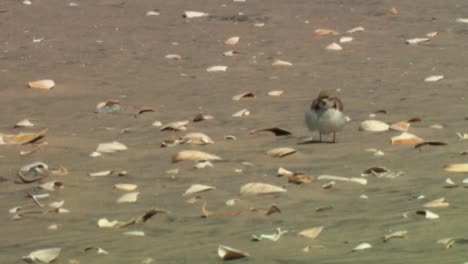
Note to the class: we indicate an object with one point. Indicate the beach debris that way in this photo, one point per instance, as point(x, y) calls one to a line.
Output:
point(397, 234)
point(128, 197)
point(193, 155)
point(109, 106)
point(325, 31)
point(194, 14)
point(135, 233)
point(324, 208)
point(328, 185)
point(284, 172)
point(362, 246)
point(42, 84)
point(110, 147)
point(59, 171)
point(334, 46)
point(281, 152)
point(98, 250)
point(381, 172)
point(24, 123)
point(243, 95)
point(254, 188)
point(22, 138)
point(278, 62)
point(338, 178)
point(101, 173)
point(144, 110)
point(356, 29)
point(230, 53)
point(427, 214)
point(197, 139)
point(273, 237)
point(126, 186)
point(415, 41)
point(105, 223)
point(414, 120)
point(275, 130)
point(345, 39)
point(217, 68)
point(406, 138)
point(201, 117)
point(34, 149)
point(300, 179)
point(152, 13)
point(197, 188)
point(175, 126)
point(463, 136)
point(229, 253)
point(206, 212)
point(373, 126)
point(402, 126)
point(241, 113)
point(203, 164)
point(432, 34)
point(50, 186)
point(393, 11)
point(430, 143)
point(311, 233)
point(273, 209)
point(171, 143)
point(275, 93)
point(449, 242)
point(462, 20)
point(437, 203)
point(173, 57)
point(449, 183)
point(232, 40)
point(230, 137)
point(43, 255)
point(376, 152)
point(433, 78)
point(149, 214)
point(33, 172)
point(456, 167)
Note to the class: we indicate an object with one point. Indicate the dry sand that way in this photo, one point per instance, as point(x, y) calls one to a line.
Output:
point(109, 49)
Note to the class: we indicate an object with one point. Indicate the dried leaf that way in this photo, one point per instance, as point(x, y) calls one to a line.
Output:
point(43, 255)
point(275, 130)
point(42, 84)
point(197, 188)
point(281, 152)
point(243, 95)
point(128, 197)
point(22, 138)
point(311, 233)
point(229, 253)
point(254, 188)
point(193, 155)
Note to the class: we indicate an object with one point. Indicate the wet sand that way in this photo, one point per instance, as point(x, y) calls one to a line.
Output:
point(108, 49)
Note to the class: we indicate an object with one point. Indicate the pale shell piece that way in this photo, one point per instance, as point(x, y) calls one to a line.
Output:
point(437, 203)
point(57, 204)
point(173, 57)
point(334, 46)
point(53, 227)
point(328, 185)
point(231, 202)
point(463, 136)
point(311, 233)
point(281, 63)
point(101, 173)
point(203, 164)
point(24, 123)
point(95, 154)
point(356, 29)
point(400, 126)
point(406, 138)
point(176, 126)
point(338, 178)
point(217, 68)
point(194, 14)
point(362, 246)
point(363, 196)
point(111, 147)
point(433, 78)
point(346, 39)
point(50, 186)
point(241, 113)
point(428, 214)
point(197, 138)
point(197, 188)
point(449, 183)
point(230, 53)
point(193, 155)
point(373, 126)
point(414, 41)
point(275, 93)
point(135, 233)
point(152, 13)
point(254, 188)
point(243, 95)
point(229, 253)
point(273, 237)
point(104, 223)
point(230, 137)
point(156, 123)
point(42, 84)
point(325, 31)
point(27, 2)
point(284, 172)
point(43, 255)
point(432, 34)
point(462, 20)
point(232, 40)
point(281, 152)
point(128, 197)
point(397, 234)
point(22, 138)
point(456, 167)
point(126, 186)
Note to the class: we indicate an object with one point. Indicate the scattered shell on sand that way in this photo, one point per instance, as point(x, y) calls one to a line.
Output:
point(356, 29)
point(338, 178)
point(152, 13)
point(311, 232)
point(432, 34)
point(437, 203)
point(193, 155)
point(197, 139)
point(415, 41)
point(406, 138)
point(111, 147)
point(217, 68)
point(126, 186)
point(243, 95)
point(362, 246)
point(175, 126)
point(456, 167)
point(232, 40)
point(449, 183)
point(281, 152)
point(402, 126)
point(207, 213)
point(42, 84)
point(230, 53)
point(373, 126)
point(275, 93)
point(197, 188)
point(108, 106)
point(43, 255)
point(325, 31)
point(433, 78)
point(241, 113)
point(105, 223)
point(281, 63)
point(128, 197)
point(134, 233)
point(173, 57)
point(254, 188)
point(24, 123)
point(397, 234)
point(346, 39)
point(229, 253)
point(334, 46)
point(194, 14)
point(427, 214)
point(462, 20)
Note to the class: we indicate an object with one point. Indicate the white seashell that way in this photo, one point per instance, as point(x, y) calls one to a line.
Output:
point(43, 255)
point(373, 126)
point(400, 126)
point(311, 233)
point(281, 152)
point(346, 39)
point(126, 186)
point(281, 63)
point(173, 57)
point(432, 34)
point(356, 29)
point(134, 233)
point(229, 253)
point(275, 93)
point(449, 183)
point(362, 246)
point(237, 97)
point(176, 126)
point(27, 2)
point(111, 147)
point(57, 204)
point(197, 188)
point(338, 178)
point(194, 14)
point(240, 113)
point(152, 13)
point(334, 46)
point(230, 53)
point(231, 202)
point(462, 20)
point(259, 24)
point(156, 124)
point(217, 68)
point(128, 197)
point(406, 138)
point(104, 223)
point(397, 234)
point(363, 196)
point(437, 203)
point(284, 172)
point(414, 41)
point(433, 78)
point(232, 40)
point(203, 164)
point(193, 155)
point(100, 173)
point(428, 214)
point(95, 154)
point(42, 84)
point(197, 138)
point(24, 123)
point(260, 188)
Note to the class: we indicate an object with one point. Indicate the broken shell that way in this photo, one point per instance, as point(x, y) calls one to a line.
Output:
point(24, 123)
point(193, 155)
point(194, 14)
point(275, 93)
point(373, 126)
point(311, 233)
point(203, 164)
point(437, 203)
point(200, 117)
point(243, 112)
point(328, 185)
point(175, 126)
point(42, 84)
point(260, 188)
point(346, 39)
point(433, 78)
point(462, 20)
point(414, 41)
point(338, 178)
point(232, 40)
point(356, 29)
point(397, 234)
point(243, 95)
point(449, 183)
point(273, 209)
point(43, 255)
point(101, 173)
point(197, 188)
point(229, 253)
point(300, 179)
point(173, 57)
point(362, 246)
point(334, 46)
point(197, 138)
point(108, 106)
point(284, 172)
point(456, 167)
point(393, 11)
point(50, 186)
point(230, 137)
point(22, 138)
point(400, 126)
point(104, 223)
point(406, 138)
point(281, 63)
point(432, 34)
point(230, 53)
point(206, 212)
point(111, 147)
point(128, 197)
point(325, 31)
point(217, 68)
point(135, 233)
point(428, 214)
point(152, 13)
point(281, 152)
point(126, 186)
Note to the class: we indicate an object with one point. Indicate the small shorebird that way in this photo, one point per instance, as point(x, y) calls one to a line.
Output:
point(325, 115)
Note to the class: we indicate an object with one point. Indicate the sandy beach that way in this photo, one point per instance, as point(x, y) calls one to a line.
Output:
point(103, 50)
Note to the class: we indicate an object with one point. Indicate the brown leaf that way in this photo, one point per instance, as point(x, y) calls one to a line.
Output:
point(414, 120)
point(150, 213)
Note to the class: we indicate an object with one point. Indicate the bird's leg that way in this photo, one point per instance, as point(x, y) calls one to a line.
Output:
point(334, 136)
point(320, 137)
